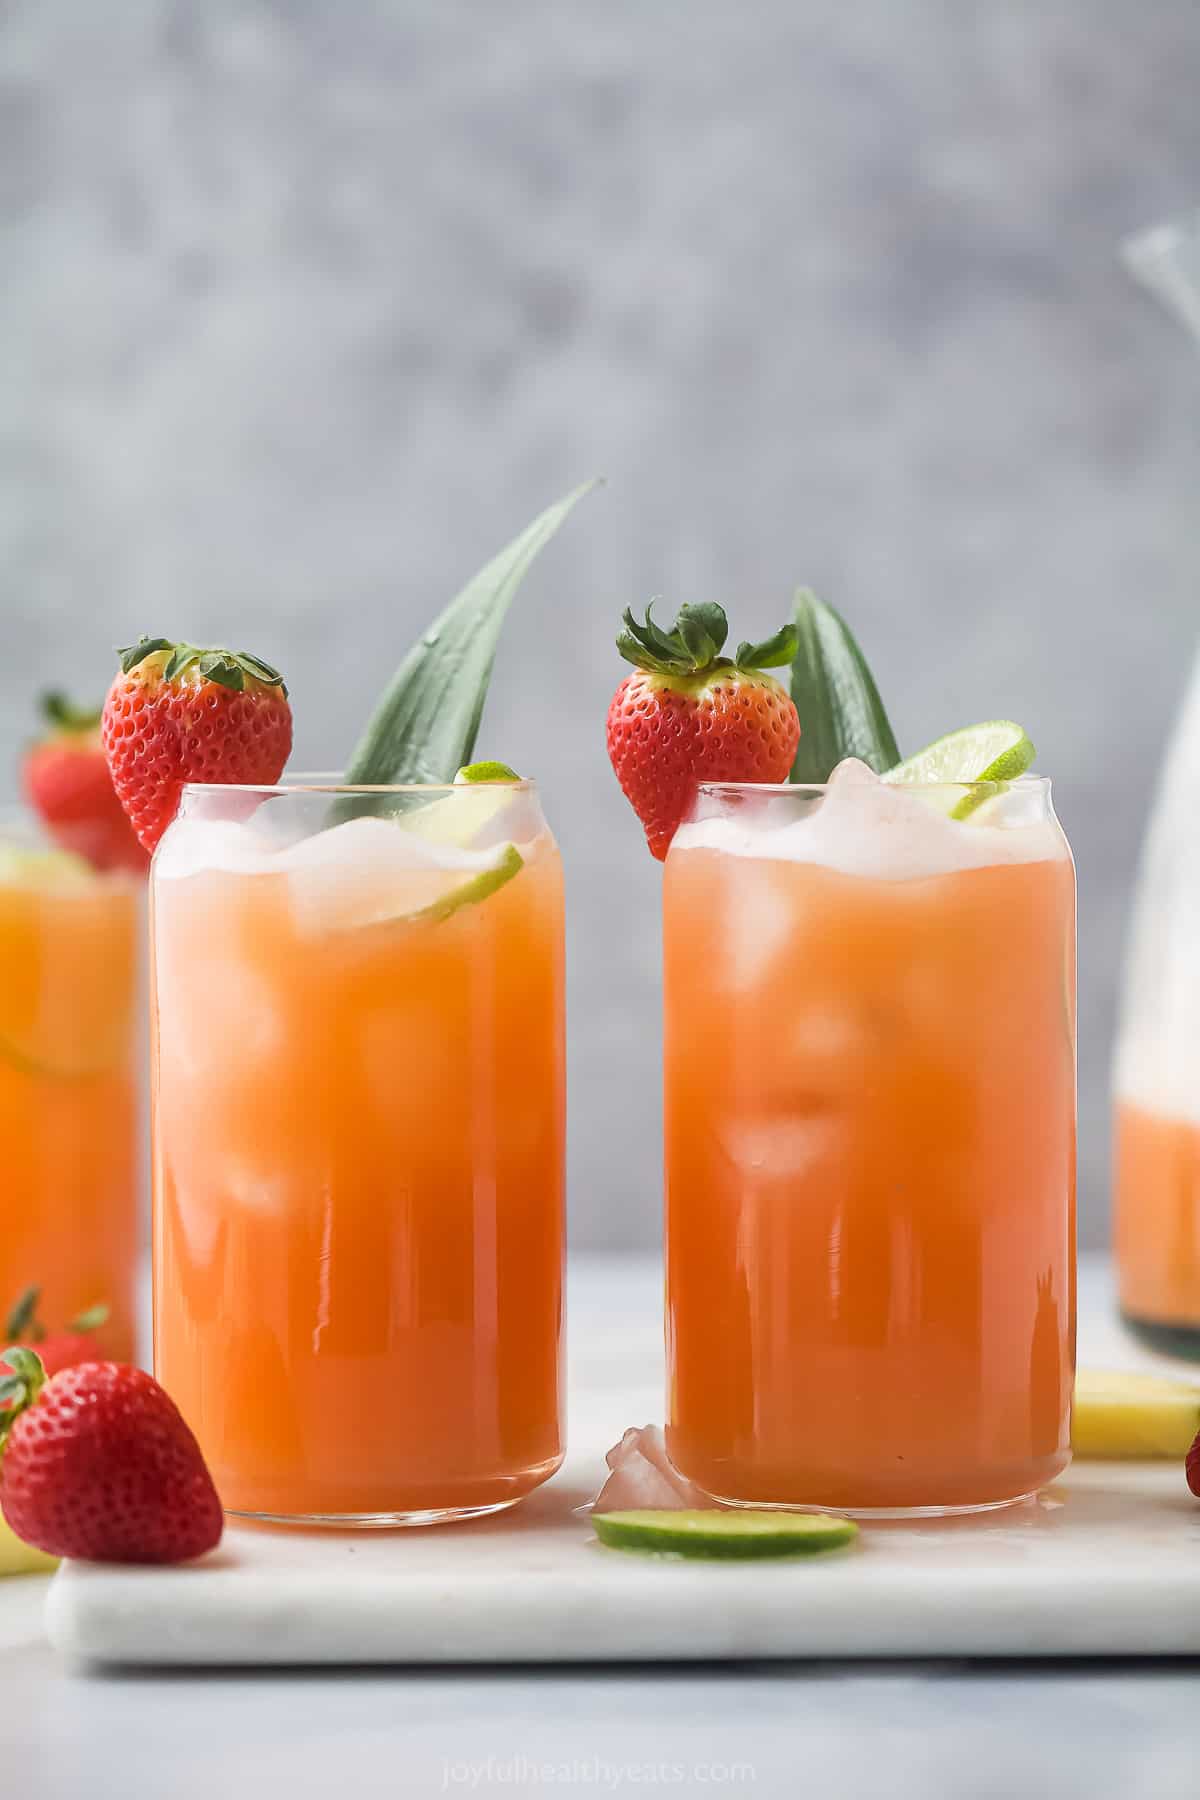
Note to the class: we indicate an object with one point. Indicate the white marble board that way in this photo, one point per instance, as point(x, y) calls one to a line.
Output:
point(1108, 1563)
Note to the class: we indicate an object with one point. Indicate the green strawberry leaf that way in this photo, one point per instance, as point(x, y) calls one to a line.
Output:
point(226, 671)
point(21, 1324)
point(702, 629)
point(773, 653)
point(132, 654)
point(59, 709)
point(91, 1319)
point(841, 713)
point(424, 727)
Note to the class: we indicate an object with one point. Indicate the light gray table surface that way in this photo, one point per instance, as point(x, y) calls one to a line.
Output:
point(823, 1729)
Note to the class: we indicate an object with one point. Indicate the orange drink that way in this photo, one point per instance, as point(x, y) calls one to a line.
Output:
point(69, 952)
point(870, 1145)
point(357, 1053)
point(1157, 1177)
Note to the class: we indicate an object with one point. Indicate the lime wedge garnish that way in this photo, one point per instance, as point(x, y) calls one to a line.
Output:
point(470, 892)
point(460, 818)
point(994, 752)
point(724, 1534)
point(484, 771)
point(474, 887)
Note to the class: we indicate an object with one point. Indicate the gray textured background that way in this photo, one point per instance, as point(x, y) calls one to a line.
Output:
point(305, 307)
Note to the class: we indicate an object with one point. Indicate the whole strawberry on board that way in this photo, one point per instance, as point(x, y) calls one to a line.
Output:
point(176, 713)
point(96, 1462)
point(1193, 1467)
point(66, 781)
point(689, 714)
point(56, 1349)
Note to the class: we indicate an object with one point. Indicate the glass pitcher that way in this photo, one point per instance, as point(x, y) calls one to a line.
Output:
point(1156, 1149)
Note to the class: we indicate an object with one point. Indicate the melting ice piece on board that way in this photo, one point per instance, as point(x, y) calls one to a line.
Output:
point(643, 1475)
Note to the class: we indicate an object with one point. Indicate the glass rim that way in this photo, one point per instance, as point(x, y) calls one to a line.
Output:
point(331, 782)
point(1026, 783)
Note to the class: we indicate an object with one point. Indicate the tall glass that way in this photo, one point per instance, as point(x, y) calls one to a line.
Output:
point(358, 1124)
point(870, 1146)
point(69, 1089)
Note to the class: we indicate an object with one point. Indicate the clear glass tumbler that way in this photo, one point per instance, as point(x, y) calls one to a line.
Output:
point(70, 954)
point(870, 1145)
point(358, 1124)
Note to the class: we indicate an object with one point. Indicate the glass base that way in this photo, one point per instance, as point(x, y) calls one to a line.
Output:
point(877, 1514)
point(1167, 1338)
point(383, 1521)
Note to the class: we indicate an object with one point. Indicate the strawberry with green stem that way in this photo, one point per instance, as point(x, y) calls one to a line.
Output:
point(66, 781)
point(176, 713)
point(97, 1462)
point(689, 714)
point(56, 1349)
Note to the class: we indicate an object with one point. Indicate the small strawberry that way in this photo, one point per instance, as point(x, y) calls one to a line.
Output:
point(176, 714)
point(97, 1463)
point(1193, 1467)
point(689, 714)
point(56, 1349)
point(66, 781)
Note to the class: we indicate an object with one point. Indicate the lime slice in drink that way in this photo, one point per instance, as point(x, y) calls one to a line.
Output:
point(724, 1534)
point(992, 753)
point(461, 818)
point(509, 862)
point(60, 871)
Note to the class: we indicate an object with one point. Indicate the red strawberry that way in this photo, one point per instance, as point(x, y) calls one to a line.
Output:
point(1193, 1467)
point(177, 714)
point(56, 1349)
point(689, 714)
point(67, 782)
point(98, 1463)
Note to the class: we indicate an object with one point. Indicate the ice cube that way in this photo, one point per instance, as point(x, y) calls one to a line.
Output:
point(206, 846)
point(868, 827)
point(369, 869)
point(778, 1146)
point(642, 1474)
point(762, 916)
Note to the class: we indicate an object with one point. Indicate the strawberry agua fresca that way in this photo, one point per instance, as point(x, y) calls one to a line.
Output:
point(357, 1090)
point(869, 1101)
point(358, 1146)
point(870, 1145)
point(70, 980)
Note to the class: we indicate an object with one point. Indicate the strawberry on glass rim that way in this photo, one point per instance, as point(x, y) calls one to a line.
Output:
point(66, 781)
point(688, 714)
point(177, 713)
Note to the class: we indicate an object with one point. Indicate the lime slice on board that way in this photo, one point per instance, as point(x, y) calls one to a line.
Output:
point(718, 1533)
point(995, 752)
point(1133, 1416)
